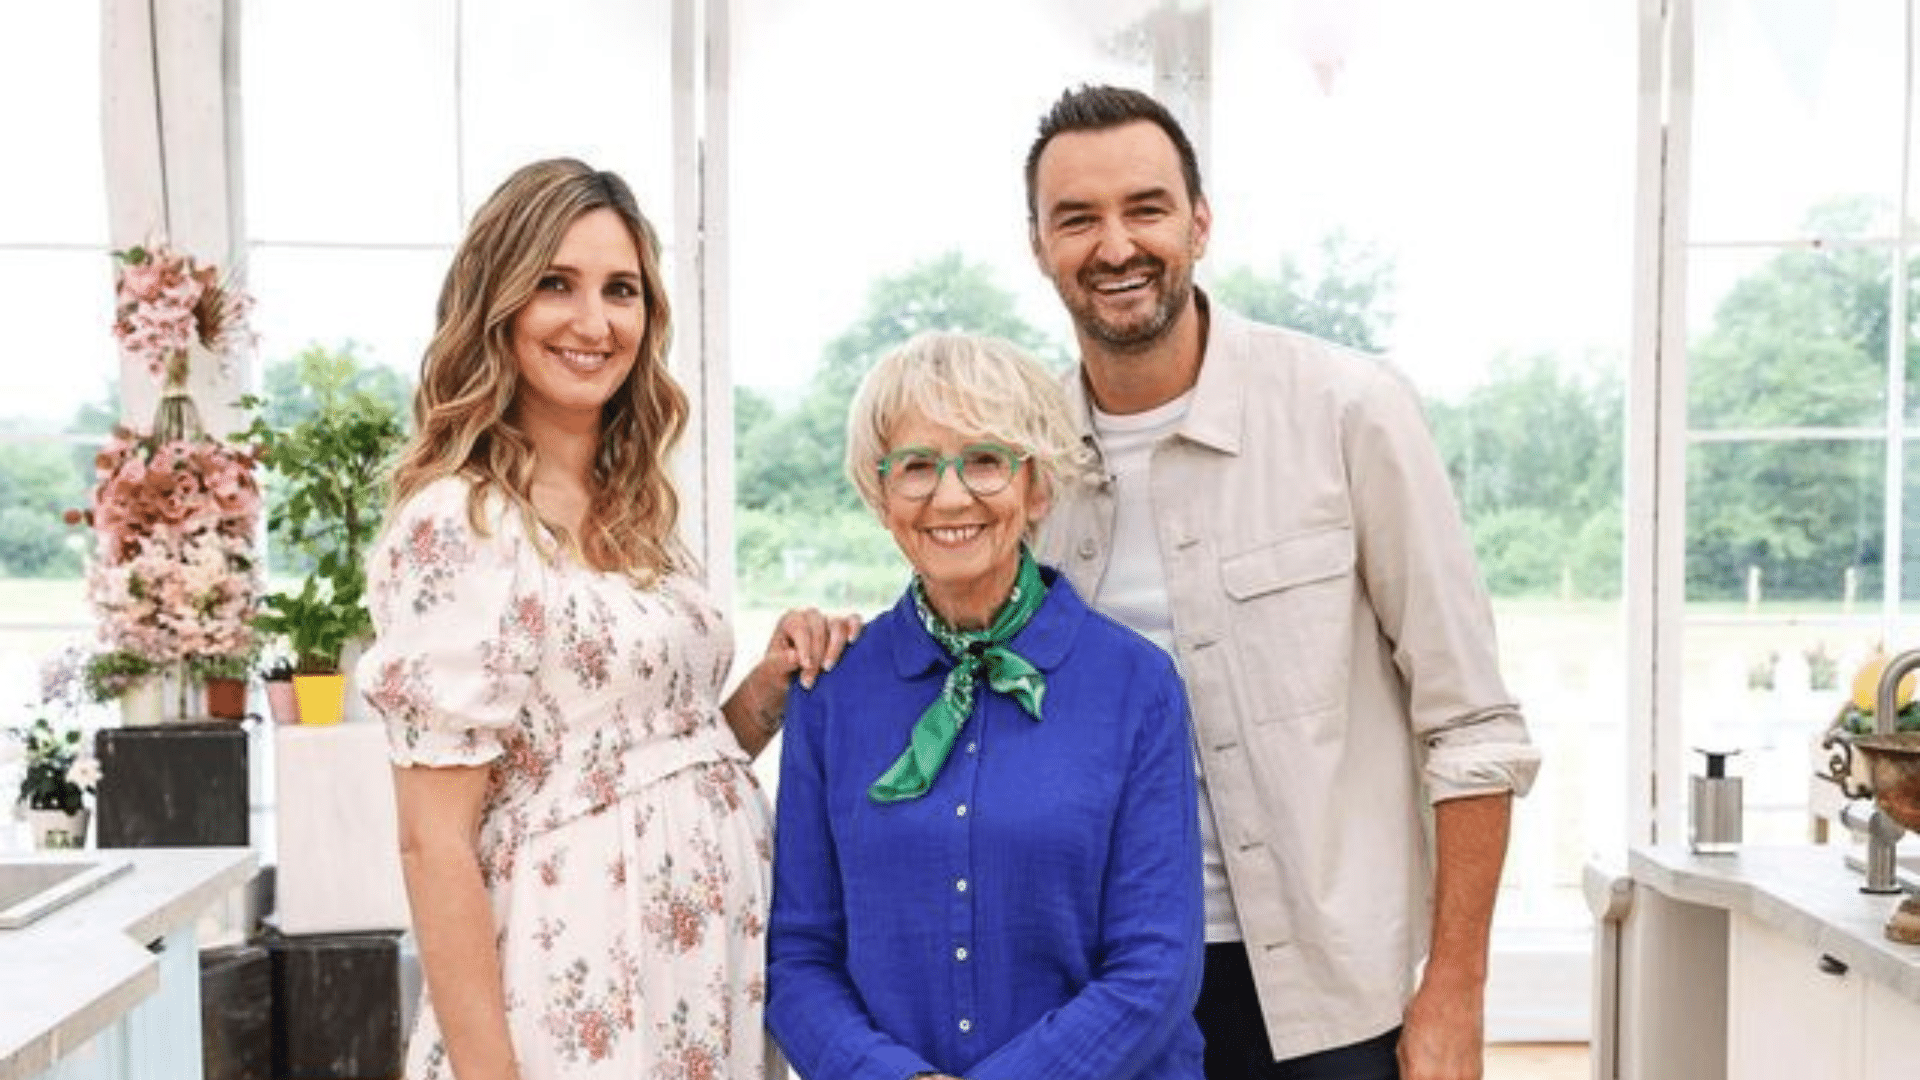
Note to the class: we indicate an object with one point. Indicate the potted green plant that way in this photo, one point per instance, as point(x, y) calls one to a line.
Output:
point(225, 681)
point(327, 449)
point(317, 622)
point(59, 777)
point(128, 678)
point(60, 773)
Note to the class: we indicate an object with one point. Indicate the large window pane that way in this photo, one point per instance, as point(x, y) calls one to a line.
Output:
point(590, 79)
point(1797, 132)
point(868, 201)
point(1795, 104)
point(59, 305)
point(1413, 161)
point(380, 302)
point(54, 187)
point(1784, 560)
point(56, 300)
point(1788, 337)
point(356, 196)
point(1910, 527)
point(350, 120)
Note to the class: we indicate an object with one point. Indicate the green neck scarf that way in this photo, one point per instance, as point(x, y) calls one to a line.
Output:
point(975, 652)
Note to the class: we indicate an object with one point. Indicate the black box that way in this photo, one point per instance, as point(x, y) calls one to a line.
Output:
point(236, 1013)
point(336, 1005)
point(174, 785)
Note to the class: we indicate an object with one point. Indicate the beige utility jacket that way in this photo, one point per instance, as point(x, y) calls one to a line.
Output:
point(1338, 648)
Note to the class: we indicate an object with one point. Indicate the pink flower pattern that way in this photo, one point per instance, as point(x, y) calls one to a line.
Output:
point(624, 842)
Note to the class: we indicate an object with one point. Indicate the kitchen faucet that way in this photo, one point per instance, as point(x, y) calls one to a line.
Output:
point(1882, 831)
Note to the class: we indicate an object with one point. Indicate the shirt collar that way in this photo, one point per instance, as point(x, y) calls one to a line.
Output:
point(1217, 416)
point(1044, 642)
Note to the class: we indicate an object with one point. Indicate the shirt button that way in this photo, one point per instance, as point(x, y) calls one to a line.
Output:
point(960, 811)
point(972, 746)
point(1088, 548)
point(960, 954)
point(965, 1025)
point(960, 885)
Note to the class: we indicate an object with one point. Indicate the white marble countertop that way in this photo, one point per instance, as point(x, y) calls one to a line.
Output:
point(74, 971)
point(1805, 892)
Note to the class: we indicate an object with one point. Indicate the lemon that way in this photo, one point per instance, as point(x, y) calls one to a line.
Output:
point(1866, 685)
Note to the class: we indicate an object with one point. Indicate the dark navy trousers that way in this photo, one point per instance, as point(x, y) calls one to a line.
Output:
point(1237, 1047)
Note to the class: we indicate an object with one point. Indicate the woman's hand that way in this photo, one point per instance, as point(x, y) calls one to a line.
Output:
point(806, 642)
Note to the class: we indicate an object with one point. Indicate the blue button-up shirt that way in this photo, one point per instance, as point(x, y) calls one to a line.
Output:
point(1037, 913)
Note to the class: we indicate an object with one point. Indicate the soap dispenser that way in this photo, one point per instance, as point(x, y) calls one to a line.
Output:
point(1714, 812)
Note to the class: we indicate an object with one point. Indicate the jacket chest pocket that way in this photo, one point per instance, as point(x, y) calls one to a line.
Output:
point(1292, 614)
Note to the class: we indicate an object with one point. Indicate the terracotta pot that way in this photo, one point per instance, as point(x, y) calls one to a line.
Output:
point(227, 699)
point(56, 829)
point(281, 701)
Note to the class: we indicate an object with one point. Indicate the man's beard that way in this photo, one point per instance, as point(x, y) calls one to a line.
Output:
point(1175, 290)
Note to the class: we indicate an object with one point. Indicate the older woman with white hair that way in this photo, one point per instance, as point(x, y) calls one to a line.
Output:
point(988, 857)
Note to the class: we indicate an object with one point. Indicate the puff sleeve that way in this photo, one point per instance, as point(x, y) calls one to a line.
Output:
point(458, 622)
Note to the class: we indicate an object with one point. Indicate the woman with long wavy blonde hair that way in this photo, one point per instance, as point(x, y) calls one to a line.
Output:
point(585, 847)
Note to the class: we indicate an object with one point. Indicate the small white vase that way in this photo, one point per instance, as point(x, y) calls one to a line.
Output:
point(183, 699)
point(144, 703)
point(56, 829)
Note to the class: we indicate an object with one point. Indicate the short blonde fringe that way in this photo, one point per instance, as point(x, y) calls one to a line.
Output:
point(973, 383)
point(462, 408)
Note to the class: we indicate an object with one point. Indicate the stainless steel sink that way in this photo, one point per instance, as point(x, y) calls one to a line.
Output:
point(32, 885)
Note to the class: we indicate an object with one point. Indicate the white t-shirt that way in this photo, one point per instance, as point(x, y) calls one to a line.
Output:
point(1134, 591)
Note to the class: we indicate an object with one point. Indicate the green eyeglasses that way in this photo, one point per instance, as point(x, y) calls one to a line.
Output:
point(913, 472)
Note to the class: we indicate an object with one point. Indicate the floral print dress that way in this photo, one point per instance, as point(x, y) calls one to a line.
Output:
point(624, 842)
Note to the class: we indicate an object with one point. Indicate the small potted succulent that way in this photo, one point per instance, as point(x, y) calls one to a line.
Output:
point(276, 672)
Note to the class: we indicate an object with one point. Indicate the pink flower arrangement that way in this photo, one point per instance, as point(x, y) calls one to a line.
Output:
point(173, 576)
point(166, 301)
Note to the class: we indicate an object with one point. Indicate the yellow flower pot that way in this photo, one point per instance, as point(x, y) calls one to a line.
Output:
point(322, 698)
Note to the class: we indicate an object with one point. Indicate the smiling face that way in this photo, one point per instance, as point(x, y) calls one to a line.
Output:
point(1117, 233)
point(965, 547)
point(577, 339)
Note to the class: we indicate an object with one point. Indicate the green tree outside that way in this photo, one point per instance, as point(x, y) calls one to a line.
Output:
point(360, 397)
point(43, 476)
point(1801, 342)
point(1344, 293)
point(1535, 457)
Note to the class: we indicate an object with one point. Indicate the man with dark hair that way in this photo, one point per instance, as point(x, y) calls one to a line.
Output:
point(1275, 515)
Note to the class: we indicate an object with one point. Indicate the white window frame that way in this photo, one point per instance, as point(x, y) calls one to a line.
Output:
point(1657, 426)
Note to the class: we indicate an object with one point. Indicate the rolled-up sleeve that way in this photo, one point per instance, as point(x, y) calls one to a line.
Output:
point(1426, 591)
